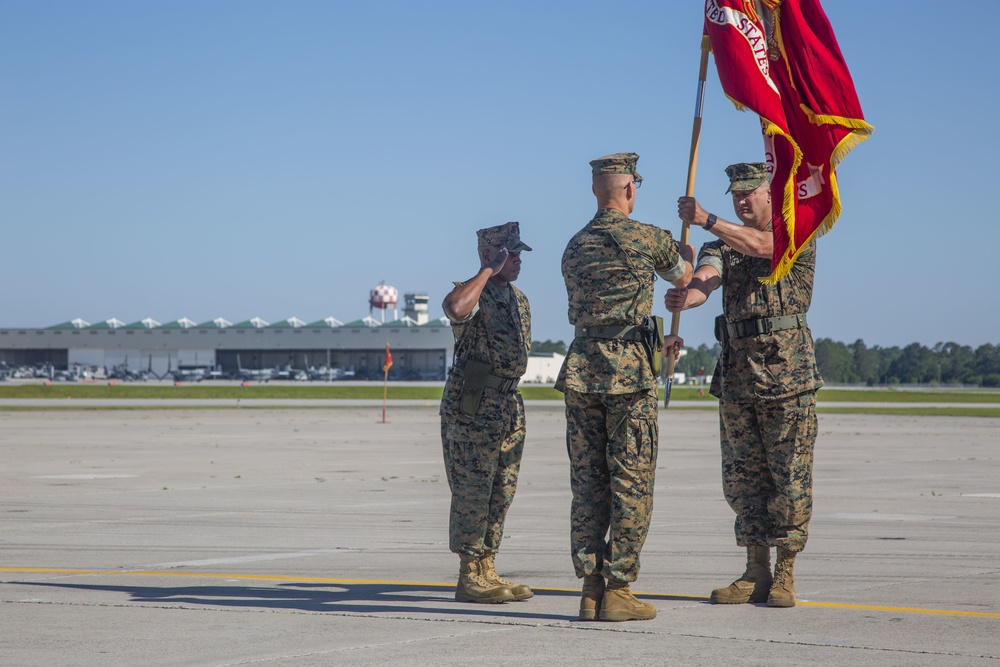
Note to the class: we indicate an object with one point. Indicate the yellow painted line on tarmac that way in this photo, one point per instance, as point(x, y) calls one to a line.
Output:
point(840, 605)
point(905, 610)
point(386, 582)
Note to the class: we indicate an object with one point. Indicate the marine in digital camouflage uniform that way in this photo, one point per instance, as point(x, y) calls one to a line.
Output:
point(766, 381)
point(609, 268)
point(482, 414)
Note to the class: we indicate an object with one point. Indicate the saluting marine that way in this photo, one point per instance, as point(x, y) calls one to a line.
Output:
point(482, 414)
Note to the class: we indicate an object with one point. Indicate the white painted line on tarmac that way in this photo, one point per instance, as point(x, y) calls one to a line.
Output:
point(879, 516)
point(83, 476)
point(256, 558)
point(981, 495)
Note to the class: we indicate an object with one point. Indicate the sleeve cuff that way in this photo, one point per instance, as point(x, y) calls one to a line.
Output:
point(674, 273)
point(714, 262)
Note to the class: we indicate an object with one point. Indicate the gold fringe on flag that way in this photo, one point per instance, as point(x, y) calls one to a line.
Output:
point(860, 130)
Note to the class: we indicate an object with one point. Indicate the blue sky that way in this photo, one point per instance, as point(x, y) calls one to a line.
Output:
point(277, 159)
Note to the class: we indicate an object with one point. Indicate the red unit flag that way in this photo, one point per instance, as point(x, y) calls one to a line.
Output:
point(388, 359)
point(780, 59)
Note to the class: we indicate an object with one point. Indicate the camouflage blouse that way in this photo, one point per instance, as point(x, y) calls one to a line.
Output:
point(769, 366)
point(609, 268)
point(498, 332)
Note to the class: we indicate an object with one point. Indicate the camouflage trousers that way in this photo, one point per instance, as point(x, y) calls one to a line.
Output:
point(482, 459)
point(611, 440)
point(767, 462)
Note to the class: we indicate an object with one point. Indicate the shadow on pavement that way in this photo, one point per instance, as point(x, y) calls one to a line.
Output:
point(334, 597)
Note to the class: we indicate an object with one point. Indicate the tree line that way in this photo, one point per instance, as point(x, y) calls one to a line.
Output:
point(856, 363)
point(944, 363)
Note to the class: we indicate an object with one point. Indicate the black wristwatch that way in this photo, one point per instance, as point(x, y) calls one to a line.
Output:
point(711, 221)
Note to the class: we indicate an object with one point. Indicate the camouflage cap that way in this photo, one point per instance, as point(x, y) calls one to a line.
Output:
point(619, 163)
point(746, 176)
point(503, 236)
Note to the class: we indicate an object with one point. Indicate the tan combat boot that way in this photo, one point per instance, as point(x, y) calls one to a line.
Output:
point(593, 593)
point(619, 604)
point(783, 589)
point(473, 587)
point(519, 591)
point(755, 583)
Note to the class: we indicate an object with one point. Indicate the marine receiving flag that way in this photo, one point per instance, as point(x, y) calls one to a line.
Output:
point(388, 358)
point(780, 59)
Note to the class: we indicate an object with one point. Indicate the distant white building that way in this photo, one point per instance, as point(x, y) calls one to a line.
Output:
point(543, 368)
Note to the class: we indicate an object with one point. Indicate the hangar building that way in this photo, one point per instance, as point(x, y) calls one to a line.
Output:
point(421, 348)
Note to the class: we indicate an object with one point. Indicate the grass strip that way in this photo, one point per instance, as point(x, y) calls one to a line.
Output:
point(914, 411)
point(909, 396)
point(432, 393)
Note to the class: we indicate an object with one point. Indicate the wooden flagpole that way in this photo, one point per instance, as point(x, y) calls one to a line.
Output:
point(675, 321)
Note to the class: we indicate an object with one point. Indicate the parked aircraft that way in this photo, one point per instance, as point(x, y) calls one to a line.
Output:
point(254, 375)
point(189, 374)
point(289, 373)
point(324, 374)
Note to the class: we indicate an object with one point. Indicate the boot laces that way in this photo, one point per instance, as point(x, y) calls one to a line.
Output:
point(490, 574)
point(480, 579)
point(500, 580)
point(781, 573)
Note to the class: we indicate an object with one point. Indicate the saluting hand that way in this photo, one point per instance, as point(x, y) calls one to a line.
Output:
point(496, 264)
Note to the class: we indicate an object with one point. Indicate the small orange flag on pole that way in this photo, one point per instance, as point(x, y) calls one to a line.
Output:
point(385, 384)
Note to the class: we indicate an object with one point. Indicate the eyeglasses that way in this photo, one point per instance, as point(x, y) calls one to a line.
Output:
point(637, 182)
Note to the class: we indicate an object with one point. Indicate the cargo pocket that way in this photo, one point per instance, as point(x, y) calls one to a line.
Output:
point(640, 446)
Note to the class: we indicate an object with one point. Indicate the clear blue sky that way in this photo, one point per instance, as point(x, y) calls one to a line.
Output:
point(276, 159)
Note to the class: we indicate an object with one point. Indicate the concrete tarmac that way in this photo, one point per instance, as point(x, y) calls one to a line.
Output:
point(319, 537)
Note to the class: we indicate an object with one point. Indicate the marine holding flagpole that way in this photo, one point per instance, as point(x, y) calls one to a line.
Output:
point(780, 59)
point(765, 379)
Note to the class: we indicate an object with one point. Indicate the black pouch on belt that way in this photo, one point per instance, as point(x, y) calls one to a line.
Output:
point(474, 376)
point(721, 334)
point(653, 341)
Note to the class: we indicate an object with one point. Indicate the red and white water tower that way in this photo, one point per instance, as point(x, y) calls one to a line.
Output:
point(382, 297)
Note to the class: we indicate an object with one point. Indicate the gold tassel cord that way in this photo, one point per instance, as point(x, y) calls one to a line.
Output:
point(788, 190)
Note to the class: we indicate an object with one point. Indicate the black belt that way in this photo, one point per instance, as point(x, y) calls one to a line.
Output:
point(501, 384)
point(621, 331)
point(763, 325)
